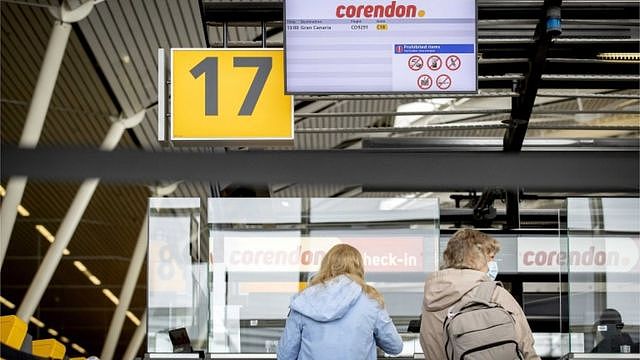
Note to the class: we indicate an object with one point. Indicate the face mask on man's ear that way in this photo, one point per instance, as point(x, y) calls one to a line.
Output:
point(493, 269)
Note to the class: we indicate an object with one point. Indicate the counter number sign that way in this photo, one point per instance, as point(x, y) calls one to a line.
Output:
point(229, 95)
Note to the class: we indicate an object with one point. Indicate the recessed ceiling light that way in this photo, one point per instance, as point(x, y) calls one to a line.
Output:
point(134, 319)
point(95, 280)
point(80, 266)
point(109, 294)
point(78, 348)
point(7, 303)
point(37, 322)
point(47, 235)
point(22, 211)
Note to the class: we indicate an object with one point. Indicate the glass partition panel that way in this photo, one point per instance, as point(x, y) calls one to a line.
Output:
point(178, 296)
point(603, 259)
point(261, 257)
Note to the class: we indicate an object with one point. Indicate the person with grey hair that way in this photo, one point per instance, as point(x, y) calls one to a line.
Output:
point(468, 263)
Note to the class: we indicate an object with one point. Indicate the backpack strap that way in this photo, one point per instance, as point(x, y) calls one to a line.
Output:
point(481, 292)
point(484, 291)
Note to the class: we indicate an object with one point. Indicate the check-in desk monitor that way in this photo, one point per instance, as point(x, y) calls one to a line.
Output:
point(603, 265)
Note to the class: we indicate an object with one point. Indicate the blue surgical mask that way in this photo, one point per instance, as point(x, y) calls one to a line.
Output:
point(493, 269)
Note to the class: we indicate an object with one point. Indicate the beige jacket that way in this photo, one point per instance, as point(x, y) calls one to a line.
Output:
point(443, 289)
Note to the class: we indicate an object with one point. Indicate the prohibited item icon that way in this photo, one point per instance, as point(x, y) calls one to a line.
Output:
point(443, 81)
point(434, 62)
point(415, 63)
point(424, 81)
point(453, 62)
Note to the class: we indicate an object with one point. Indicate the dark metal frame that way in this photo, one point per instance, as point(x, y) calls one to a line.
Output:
point(522, 106)
point(533, 171)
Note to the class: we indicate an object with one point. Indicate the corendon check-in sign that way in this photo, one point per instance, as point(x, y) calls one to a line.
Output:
point(583, 254)
point(304, 254)
point(380, 46)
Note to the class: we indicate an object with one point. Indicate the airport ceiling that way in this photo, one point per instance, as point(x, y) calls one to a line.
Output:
point(110, 70)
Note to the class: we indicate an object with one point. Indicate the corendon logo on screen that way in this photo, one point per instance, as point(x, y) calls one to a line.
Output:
point(391, 10)
point(295, 254)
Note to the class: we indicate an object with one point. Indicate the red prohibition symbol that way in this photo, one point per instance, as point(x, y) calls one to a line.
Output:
point(434, 62)
point(443, 81)
point(415, 63)
point(424, 81)
point(453, 62)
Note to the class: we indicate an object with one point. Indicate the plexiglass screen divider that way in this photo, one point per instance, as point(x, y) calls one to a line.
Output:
point(603, 260)
point(264, 250)
point(178, 295)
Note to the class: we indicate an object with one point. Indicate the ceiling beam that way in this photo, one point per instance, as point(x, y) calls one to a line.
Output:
point(541, 171)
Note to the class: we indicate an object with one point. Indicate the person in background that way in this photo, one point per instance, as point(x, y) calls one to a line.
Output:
point(468, 261)
point(339, 316)
point(614, 340)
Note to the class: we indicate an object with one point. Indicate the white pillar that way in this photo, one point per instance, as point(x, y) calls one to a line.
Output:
point(130, 281)
point(69, 224)
point(137, 260)
point(8, 212)
point(38, 110)
point(136, 340)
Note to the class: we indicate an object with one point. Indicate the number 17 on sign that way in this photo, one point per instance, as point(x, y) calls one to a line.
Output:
point(231, 95)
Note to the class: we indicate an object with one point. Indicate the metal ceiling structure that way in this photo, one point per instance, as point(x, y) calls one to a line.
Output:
point(532, 86)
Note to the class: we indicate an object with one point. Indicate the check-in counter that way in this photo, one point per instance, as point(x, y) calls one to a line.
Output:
point(225, 269)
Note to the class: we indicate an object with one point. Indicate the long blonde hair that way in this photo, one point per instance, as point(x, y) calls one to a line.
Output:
point(343, 259)
point(469, 249)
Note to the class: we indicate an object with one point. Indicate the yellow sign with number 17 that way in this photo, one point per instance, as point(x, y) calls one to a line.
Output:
point(230, 95)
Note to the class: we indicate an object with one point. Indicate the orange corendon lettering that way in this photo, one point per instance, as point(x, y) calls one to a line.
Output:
point(390, 9)
point(352, 11)
point(368, 10)
point(378, 11)
point(411, 11)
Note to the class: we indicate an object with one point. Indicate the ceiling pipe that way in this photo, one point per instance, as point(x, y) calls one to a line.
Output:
point(70, 223)
point(38, 109)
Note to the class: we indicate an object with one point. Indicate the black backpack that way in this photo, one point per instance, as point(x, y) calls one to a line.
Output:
point(476, 328)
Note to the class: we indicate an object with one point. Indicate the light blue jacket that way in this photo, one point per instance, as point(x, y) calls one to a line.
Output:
point(337, 320)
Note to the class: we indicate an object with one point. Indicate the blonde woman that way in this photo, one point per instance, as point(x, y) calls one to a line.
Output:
point(467, 262)
point(338, 316)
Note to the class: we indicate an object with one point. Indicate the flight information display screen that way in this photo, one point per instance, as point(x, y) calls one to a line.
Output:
point(380, 46)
